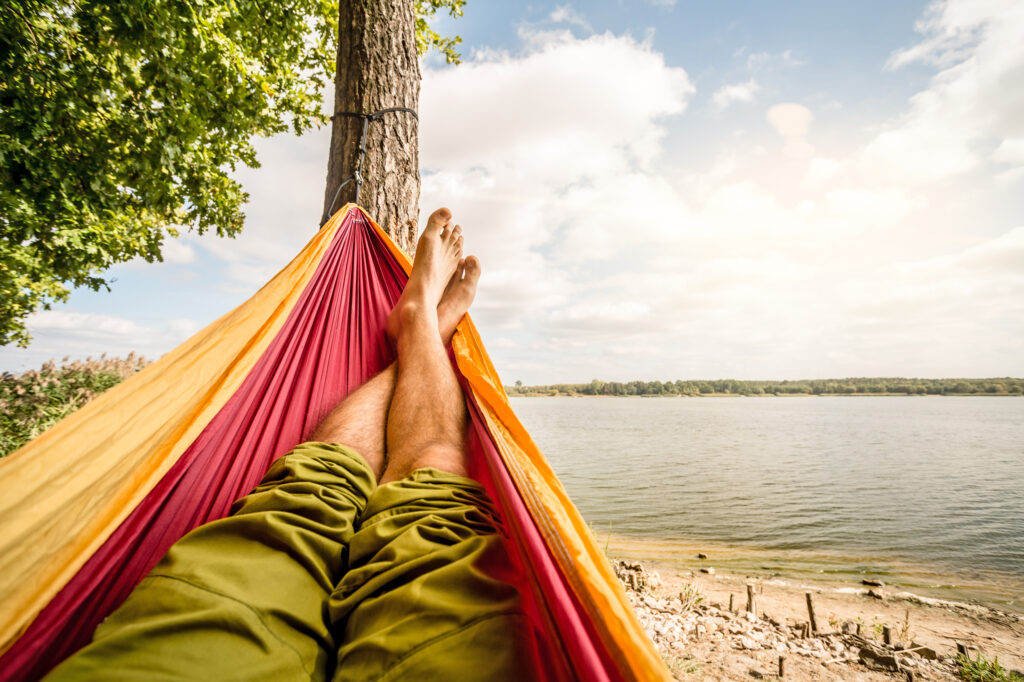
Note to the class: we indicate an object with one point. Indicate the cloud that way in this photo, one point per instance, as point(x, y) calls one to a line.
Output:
point(177, 252)
point(514, 142)
point(737, 92)
point(765, 258)
point(974, 102)
point(555, 101)
point(757, 61)
point(820, 170)
point(951, 29)
point(792, 121)
point(59, 333)
point(936, 307)
point(566, 14)
point(601, 316)
point(1010, 151)
point(602, 257)
point(86, 325)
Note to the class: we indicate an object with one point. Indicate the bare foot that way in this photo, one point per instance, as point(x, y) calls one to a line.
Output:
point(440, 278)
point(457, 298)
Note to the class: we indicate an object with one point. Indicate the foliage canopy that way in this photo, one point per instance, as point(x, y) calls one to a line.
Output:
point(847, 386)
point(426, 37)
point(121, 123)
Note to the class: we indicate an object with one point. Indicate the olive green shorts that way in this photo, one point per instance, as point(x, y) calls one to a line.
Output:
point(319, 574)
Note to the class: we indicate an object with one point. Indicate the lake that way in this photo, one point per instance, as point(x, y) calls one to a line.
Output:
point(926, 492)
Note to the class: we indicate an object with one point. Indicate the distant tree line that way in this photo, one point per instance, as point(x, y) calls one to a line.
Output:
point(851, 386)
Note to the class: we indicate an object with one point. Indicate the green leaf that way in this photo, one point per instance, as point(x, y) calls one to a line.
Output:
point(120, 124)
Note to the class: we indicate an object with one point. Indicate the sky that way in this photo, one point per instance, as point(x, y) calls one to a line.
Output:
point(669, 190)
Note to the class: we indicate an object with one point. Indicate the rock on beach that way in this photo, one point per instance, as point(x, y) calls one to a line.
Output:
point(688, 630)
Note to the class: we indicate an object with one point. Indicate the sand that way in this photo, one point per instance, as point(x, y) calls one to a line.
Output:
point(707, 641)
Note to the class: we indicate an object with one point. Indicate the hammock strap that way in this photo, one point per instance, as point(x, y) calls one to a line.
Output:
point(357, 175)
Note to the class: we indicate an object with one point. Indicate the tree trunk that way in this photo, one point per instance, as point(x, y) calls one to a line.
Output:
point(378, 68)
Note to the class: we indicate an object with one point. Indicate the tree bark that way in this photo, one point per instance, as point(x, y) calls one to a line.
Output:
point(378, 68)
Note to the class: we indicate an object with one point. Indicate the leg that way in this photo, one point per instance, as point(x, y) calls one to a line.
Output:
point(359, 420)
point(429, 590)
point(427, 420)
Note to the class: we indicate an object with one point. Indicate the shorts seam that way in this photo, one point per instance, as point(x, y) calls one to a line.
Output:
point(249, 607)
point(440, 638)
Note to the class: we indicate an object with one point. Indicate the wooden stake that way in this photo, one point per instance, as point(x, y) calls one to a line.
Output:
point(887, 635)
point(782, 666)
point(731, 609)
point(810, 613)
point(751, 600)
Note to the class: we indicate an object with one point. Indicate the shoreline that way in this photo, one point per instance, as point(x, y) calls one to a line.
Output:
point(826, 570)
point(699, 624)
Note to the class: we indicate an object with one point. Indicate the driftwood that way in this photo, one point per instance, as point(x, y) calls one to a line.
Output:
point(810, 613)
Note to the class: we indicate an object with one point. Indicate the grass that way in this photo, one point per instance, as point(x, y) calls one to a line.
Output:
point(876, 628)
point(33, 401)
point(981, 669)
point(684, 665)
point(691, 595)
point(902, 632)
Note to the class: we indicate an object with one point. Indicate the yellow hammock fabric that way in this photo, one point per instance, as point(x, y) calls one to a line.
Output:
point(88, 506)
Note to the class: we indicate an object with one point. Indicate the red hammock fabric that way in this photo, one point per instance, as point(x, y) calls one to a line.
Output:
point(332, 342)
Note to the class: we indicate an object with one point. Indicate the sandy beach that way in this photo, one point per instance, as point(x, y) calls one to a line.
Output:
point(687, 614)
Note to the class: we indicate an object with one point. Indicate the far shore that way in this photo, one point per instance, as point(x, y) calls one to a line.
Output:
point(718, 388)
point(558, 394)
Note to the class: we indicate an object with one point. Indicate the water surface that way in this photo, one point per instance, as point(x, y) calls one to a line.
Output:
point(928, 491)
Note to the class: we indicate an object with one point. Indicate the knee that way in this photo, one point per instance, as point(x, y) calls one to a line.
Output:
point(442, 456)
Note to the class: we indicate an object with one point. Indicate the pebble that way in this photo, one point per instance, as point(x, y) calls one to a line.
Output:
point(747, 643)
point(674, 630)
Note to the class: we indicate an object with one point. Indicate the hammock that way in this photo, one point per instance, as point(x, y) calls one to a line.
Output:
point(87, 508)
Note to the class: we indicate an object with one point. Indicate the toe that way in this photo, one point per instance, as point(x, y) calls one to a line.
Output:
point(455, 233)
point(438, 220)
point(456, 277)
point(473, 269)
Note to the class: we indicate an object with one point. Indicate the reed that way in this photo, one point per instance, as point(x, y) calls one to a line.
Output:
point(33, 401)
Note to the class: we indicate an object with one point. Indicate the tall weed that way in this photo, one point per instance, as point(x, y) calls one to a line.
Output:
point(33, 401)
